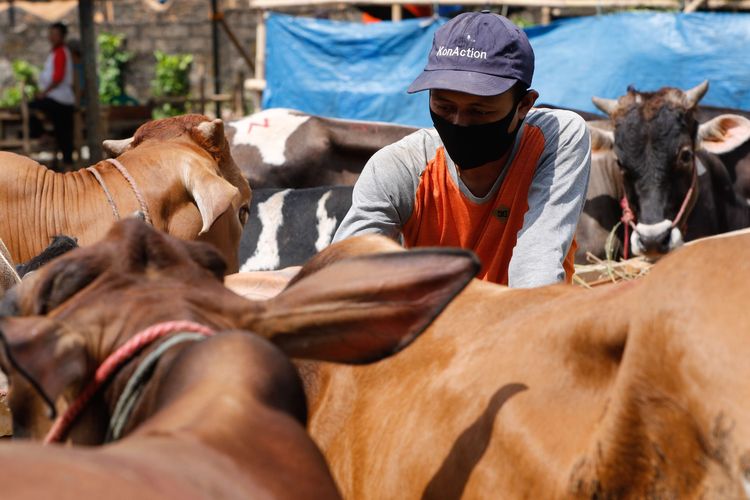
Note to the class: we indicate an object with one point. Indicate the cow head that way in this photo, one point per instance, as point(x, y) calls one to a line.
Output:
point(212, 196)
point(64, 320)
point(655, 137)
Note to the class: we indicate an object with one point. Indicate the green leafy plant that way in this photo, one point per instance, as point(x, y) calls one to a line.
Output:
point(521, 22)
point(111, 61)
point(25, 75)
point(172, 79)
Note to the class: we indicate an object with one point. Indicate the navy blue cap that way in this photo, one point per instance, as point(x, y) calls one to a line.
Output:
point(479, 53)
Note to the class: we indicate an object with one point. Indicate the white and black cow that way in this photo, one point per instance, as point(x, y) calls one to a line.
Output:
point(283, 148)
point(288, 226)
point(653, 149)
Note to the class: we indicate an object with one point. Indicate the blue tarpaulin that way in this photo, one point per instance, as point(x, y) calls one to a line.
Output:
point(351, 70)
point(348, 70)
point(602, 55)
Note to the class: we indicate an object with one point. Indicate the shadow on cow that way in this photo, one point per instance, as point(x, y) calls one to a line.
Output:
point(634, 390)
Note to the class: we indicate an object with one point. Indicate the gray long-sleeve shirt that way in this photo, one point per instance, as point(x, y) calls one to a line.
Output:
point(384, 195)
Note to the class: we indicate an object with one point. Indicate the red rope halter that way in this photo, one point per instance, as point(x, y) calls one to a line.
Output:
point(628, 221)
point(110, 365)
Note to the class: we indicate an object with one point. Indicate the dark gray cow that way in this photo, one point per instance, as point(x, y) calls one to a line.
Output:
point(655, 148)
point(58, 246)
point(283, 148)
point(288, 226)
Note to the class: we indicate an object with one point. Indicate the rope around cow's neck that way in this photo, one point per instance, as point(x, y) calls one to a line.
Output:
point(137, 382)
point(628, 217)
point(101, 182)
point(129, 178)
point(112, 363)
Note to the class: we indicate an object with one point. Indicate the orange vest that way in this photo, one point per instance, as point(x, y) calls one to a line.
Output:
point(444, 216)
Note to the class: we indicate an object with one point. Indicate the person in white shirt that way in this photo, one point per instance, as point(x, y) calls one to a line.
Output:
point(56, 98)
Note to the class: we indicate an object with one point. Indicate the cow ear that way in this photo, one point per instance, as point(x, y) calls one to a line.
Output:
point(723, 133)
point(365, 308)
point(209, 134)
point(49, 358)
point(212, 193)
point(602, 137)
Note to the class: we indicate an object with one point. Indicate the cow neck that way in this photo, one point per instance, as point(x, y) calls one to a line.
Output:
point(125, 357)
point(53, 203)
point(120, 380)
point(116, 181)
point(142, 205)
point(165, 408)
point(121, 331)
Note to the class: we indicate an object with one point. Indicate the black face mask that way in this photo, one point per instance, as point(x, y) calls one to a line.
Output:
point(475, 145)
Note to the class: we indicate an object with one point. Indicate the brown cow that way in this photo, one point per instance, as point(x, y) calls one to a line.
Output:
point(181, 165)
point(635, 390)
point(222, 418)
point(260, 285)
point(284, 148)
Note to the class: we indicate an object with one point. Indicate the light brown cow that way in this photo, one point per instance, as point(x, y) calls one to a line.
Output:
point(222, 418)
point(260, 285)
point(635, 390)
point(181, 165)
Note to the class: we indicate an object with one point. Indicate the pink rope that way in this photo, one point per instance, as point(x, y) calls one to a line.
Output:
point(110, 365)
point(688, 198)
point(141, 201)
point(628, 221)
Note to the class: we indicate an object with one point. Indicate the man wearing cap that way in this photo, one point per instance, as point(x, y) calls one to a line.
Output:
point(494, 176)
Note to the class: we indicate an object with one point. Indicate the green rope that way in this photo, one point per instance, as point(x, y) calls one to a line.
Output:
point(137, 382)
point(609, 246)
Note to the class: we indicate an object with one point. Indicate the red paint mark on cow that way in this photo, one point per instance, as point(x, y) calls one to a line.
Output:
point(264, 125)
point(361, 127)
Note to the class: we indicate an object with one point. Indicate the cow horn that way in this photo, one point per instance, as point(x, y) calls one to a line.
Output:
point(609, 106)
point(211, 131)
point(116, 147)
point(694, 95)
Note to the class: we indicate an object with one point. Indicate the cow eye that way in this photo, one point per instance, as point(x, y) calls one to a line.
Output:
point(244, 214)
point(686, 156)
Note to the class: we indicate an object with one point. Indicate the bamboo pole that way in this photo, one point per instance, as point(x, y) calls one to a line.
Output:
point(215, 48)
point(260, 55)
point(237, 45)
point(396, 12)
point(693, 5)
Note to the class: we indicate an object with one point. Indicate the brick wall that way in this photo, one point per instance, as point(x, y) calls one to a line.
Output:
point(184, 28)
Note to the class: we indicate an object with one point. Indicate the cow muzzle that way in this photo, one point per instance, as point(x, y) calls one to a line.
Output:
point(655, 239)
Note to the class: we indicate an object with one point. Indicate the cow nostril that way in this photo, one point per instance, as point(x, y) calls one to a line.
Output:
point(655, 237)
point(665, 238)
